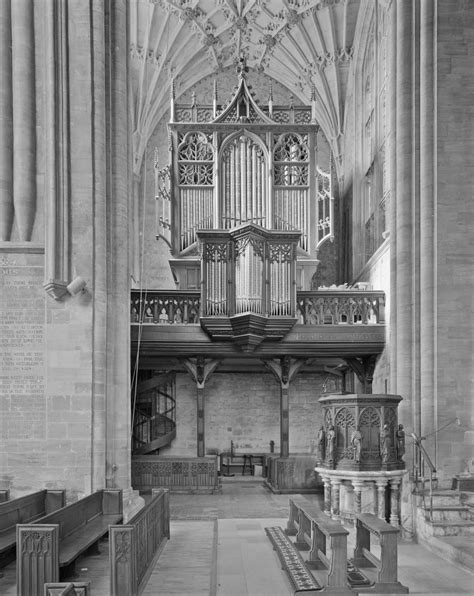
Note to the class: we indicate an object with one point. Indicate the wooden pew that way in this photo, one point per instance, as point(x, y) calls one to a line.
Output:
point(387, 564)
point(67, 589)
point(142, 539)
point(25, 510)
point(56, 540)
point(326, 540)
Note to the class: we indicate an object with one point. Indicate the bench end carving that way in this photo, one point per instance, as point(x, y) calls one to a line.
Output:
point(38, 549)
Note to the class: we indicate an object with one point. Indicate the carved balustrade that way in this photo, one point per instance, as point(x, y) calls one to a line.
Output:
point(179, 474)
point(179, 307)
point(341, 307)
point(322, 307)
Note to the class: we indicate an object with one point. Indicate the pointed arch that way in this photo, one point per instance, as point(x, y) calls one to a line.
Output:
point(244, 181)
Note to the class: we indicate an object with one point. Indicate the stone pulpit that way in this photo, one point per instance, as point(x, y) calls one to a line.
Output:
point(360, 449)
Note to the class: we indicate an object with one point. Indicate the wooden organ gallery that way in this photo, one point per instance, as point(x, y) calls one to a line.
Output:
point(245, 209)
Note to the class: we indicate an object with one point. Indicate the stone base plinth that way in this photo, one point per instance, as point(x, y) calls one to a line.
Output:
point(347, 493)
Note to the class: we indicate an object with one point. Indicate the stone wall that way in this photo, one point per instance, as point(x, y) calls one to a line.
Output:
point(245, 408)
point(45, 392)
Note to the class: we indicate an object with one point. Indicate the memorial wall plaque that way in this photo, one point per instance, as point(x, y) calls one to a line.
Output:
point(22, 336)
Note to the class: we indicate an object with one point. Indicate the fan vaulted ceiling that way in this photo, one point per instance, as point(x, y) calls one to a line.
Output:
point(302, 44)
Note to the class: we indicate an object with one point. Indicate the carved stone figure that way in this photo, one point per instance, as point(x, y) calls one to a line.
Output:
point(385, 443)
point(330, 440)
point(400, 435)
point(356, 442)
point(321, 444)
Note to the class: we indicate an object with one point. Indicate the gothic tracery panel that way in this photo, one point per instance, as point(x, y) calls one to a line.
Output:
point(195, 182)
point(291, 182)
point(281, 258)
point(344, 424)
point(369, 423)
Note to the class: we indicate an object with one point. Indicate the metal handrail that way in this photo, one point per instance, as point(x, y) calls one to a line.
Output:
point(422, 460)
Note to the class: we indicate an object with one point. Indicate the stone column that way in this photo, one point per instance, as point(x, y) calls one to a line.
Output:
point(101, 470)
point(357, 495)
point(24, 116)
point(404, 209)
point(6, 123)
point(394, 501)
point(327, 494)
point(373, 507)
point(57, 167)
point(335, 494)
point(392, 158)
point(381, 484)
point(347, 504)
point(428, 239)
point(115, 98)
point(136, 253)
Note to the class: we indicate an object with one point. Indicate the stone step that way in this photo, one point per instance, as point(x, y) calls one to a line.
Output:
point(448, 512)
point(452, 527)
point(466, 498)
point(458, 550)
point(441, 497)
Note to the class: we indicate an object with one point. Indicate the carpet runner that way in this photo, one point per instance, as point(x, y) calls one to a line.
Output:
point(293, 563)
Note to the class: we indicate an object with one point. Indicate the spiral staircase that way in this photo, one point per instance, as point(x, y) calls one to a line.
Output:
point(154, 416)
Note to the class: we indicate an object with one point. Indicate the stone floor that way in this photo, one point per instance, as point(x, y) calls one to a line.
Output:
point(218, 547)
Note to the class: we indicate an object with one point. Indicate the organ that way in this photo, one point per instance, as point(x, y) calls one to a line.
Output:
point(243, 205)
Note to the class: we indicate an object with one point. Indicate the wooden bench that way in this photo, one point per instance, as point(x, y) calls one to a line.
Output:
point(142, 538)
point(387, 564)
point(326, 540)
point(55, 541)
point(67, 589)
point(24, 510)
point(292, 562)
